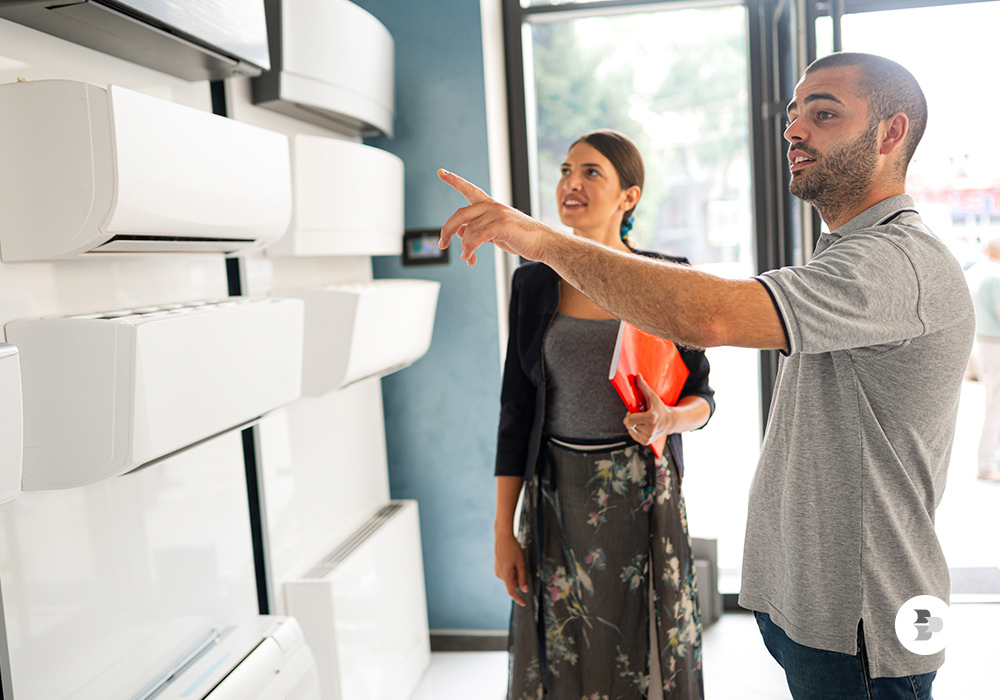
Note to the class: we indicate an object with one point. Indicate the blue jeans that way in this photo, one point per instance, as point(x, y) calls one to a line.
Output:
point(814, 674)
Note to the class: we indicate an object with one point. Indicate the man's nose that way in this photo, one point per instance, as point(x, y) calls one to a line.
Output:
point(794, 131)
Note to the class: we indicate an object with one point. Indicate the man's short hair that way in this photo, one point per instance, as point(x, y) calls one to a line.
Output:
point(888, 88)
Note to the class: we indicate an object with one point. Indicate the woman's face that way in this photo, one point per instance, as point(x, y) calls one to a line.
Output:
point(589, 196)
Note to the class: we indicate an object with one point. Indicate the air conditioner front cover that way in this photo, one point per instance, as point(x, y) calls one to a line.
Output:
point(265, 658)
point(347, 200)
point(92, 170)
point(332, 64)
point(364, 329)
point(105, 393)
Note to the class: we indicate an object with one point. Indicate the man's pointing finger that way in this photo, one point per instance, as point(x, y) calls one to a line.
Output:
point(473, 194)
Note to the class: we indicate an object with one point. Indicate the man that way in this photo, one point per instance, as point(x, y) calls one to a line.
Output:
point(984, 278)
point(875, 332)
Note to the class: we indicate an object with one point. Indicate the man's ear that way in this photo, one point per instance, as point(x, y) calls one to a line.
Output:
point(896, 128)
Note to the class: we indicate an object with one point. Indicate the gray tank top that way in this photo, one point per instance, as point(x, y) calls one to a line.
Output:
point(580, 402)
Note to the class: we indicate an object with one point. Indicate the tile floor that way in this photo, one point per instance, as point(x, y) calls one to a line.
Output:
point(738, 667)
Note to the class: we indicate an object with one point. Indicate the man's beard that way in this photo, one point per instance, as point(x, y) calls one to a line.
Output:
point(841, 179)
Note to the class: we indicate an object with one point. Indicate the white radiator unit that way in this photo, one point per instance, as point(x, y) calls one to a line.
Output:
point(107, 392)
point(347, 200)
point(356, 331)
point(364, 611)
point(90, 170)
point(10, 424)
point(264, 659)
point(331, 64)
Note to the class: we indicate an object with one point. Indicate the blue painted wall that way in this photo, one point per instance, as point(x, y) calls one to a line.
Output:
point(441, 413)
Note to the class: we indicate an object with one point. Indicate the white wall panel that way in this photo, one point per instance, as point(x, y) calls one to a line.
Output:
point(324, 472)
point(144, 561)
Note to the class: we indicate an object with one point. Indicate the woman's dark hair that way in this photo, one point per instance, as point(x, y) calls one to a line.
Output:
point(623, 154)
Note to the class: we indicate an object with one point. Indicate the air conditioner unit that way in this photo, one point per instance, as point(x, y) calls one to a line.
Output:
point(331, 64)
point(90, 170)
point(363, 610)
point(105, 393)
point(205, 40)
point(347, 200)
point(264, 659)
point(359, 330)
point(10, 424)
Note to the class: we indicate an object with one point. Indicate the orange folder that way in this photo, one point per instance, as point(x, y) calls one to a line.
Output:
point(659, 363)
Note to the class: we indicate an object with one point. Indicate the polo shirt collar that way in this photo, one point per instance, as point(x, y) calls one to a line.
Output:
point(877, 214)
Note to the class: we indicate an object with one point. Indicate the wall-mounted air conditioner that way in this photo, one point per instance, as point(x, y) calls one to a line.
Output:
point(331, 64)
point(359, 330)
point(10, 424)
point(91, 170)
point(364, 612)
point(347, 200)
point(206, 40)
point(264, 659)
point(105, 393)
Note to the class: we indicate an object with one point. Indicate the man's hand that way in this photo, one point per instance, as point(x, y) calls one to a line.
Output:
point(486, 221)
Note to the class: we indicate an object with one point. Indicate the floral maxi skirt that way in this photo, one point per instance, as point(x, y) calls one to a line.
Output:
point(595, 525)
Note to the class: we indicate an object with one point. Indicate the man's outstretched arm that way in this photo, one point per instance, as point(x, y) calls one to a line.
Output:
point(672, 301)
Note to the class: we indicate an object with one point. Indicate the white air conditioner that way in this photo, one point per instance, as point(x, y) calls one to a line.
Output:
point(347, 200)
point(331, 64)
point(10, 424)
point(264, 659)
point(91, 170)
point(360, 330)
point(363, 610)
point(105, 393)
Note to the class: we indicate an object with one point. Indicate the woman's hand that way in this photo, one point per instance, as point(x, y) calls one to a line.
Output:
point(658, 418)
point(508, 564)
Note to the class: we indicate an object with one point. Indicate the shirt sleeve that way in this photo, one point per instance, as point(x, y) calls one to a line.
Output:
point(861, 291)
point(697, 381)
point(517, 400)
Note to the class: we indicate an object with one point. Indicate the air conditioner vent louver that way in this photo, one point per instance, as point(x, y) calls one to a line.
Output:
point(352, 543)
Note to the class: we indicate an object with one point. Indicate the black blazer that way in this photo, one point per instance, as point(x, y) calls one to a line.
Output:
point(533, 301)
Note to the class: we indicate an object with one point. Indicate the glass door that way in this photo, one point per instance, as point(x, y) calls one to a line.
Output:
point(955, 179)
point(673, 77)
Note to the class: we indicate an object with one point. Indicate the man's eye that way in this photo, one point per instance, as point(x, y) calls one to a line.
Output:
point(564, 171)
point(823, 116)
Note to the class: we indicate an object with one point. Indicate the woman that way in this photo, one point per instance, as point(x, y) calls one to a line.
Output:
point(600, 511)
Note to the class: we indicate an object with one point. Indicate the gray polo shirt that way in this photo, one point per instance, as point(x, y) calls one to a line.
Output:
point(879, 324)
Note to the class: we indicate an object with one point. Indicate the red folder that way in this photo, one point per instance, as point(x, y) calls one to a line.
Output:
point(659, 363)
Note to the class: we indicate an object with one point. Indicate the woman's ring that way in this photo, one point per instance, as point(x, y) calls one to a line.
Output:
point(633, 427)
